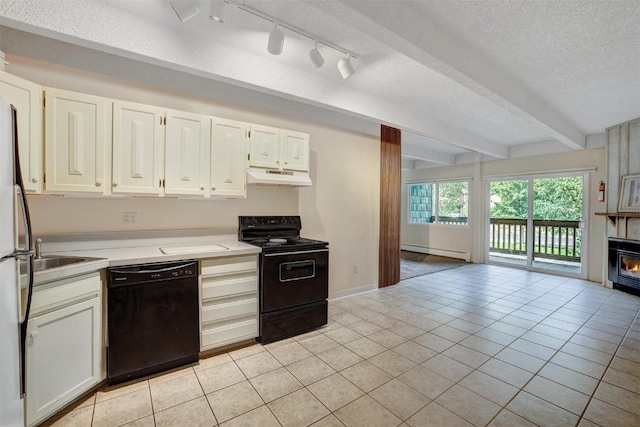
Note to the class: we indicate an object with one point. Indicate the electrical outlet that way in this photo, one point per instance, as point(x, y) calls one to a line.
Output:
point(356, 269)
point(129, 218)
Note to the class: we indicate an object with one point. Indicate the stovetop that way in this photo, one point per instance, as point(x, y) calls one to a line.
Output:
point(275, 233)
point(287, 243)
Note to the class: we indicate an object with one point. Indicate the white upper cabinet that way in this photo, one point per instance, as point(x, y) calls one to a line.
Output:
point(295, 150)
point(228, 158)
point(264, 150)
point(26, 97)
point(279, 149)
point(187, 153)
point(77, 141)
point(138, 149)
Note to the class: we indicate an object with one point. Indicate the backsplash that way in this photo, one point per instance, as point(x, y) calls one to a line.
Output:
point(52, 214)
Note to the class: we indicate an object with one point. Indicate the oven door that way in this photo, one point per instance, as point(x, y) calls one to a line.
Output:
point(291, 279)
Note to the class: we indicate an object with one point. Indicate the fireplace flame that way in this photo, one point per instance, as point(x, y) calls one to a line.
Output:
point(634, 268)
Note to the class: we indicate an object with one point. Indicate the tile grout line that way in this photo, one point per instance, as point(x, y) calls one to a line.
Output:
point(504, 407)
point(580, 417)
point(637, 316)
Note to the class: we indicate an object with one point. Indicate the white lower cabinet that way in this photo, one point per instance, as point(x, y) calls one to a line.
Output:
point(64, 345)
point(229, 292)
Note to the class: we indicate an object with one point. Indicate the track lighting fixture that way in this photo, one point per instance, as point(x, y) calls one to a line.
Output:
point(276, 41)
point(216, 11)
point(315, 56)
point(345, 67)
point(185, 9)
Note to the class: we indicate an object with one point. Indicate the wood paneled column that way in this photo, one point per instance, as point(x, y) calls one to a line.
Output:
point(390, 177)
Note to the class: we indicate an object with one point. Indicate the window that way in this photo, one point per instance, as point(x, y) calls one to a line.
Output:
point(439, 203)
point(421, 203)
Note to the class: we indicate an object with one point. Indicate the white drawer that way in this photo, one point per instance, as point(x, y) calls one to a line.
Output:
point(65, 291)
point(228, 265)
point(218, 287)
point(229, 333)
point(228, 310)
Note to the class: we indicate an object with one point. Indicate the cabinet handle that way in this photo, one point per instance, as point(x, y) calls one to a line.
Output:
point(201, 188)
point(115, 184)
point(286, 163)
point(35, 334)
point(98, 184)
point(278, 161)
point(213, 188)
point(34, 180)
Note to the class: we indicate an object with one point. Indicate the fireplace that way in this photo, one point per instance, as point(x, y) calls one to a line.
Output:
point(624, 264)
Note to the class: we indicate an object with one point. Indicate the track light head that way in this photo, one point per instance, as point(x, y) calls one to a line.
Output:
point(185, 9)
point(345, 67)
point(276, 41)
point(216, 11)
point(316, 57)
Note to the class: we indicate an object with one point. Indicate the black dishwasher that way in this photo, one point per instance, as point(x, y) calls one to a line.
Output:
point(152, 317)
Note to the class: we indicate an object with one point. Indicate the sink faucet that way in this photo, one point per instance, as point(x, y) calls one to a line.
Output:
point(38, 253)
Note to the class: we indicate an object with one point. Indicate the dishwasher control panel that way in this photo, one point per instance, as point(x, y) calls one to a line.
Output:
point(141, 273)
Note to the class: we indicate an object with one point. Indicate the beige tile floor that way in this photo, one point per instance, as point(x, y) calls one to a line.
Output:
point(477, 345)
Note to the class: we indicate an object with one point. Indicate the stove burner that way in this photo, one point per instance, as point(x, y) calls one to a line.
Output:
point(275, 234)
point(284, 242)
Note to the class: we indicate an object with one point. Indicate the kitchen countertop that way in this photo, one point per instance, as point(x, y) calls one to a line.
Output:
point(140, 250)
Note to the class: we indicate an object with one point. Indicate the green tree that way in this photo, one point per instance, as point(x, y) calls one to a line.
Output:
point(452, 198)
point(558, 198)
point(509, 199)
point(553, 199)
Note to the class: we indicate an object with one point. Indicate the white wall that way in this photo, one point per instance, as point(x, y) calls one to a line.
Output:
point(472, 238)
point(341, 207)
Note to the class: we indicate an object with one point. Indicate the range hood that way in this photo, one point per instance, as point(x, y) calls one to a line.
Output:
point(256, 176)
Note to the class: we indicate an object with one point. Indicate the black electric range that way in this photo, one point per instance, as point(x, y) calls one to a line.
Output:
point(293, 276)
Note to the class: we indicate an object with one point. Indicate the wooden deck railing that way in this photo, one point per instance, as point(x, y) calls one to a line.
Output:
point(559, 240)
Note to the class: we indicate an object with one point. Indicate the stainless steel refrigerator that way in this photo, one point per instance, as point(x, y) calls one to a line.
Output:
point(15, 299)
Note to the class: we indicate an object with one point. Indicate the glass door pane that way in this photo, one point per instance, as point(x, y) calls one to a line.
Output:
point(557, 216)
point(508, 216)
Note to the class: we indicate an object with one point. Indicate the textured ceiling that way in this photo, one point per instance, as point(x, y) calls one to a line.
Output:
point(456, 76)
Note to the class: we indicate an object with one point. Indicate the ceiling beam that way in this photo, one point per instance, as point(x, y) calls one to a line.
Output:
point(417, 152)
point(410, 31)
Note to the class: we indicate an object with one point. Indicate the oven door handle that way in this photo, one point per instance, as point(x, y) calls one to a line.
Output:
point(295, 253)
point(298, 264)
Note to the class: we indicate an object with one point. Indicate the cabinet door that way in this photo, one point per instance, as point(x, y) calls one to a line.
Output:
point(77, 135)
point(63, 357)
point(138, 148)
point(187, 153)
point(228, 158)
point(27, 98)
point(264, 150)
point(295, 150)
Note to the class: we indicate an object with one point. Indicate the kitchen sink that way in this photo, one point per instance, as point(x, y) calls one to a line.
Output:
point(47, 262)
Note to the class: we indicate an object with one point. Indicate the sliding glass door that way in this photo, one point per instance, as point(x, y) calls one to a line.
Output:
point(508, 216)
point(537, 223)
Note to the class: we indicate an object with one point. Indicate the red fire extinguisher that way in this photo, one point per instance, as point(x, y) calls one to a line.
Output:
point(601, 191)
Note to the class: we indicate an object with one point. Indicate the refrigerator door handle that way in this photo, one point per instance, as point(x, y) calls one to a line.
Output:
point(29, 248)
point(24, 253)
